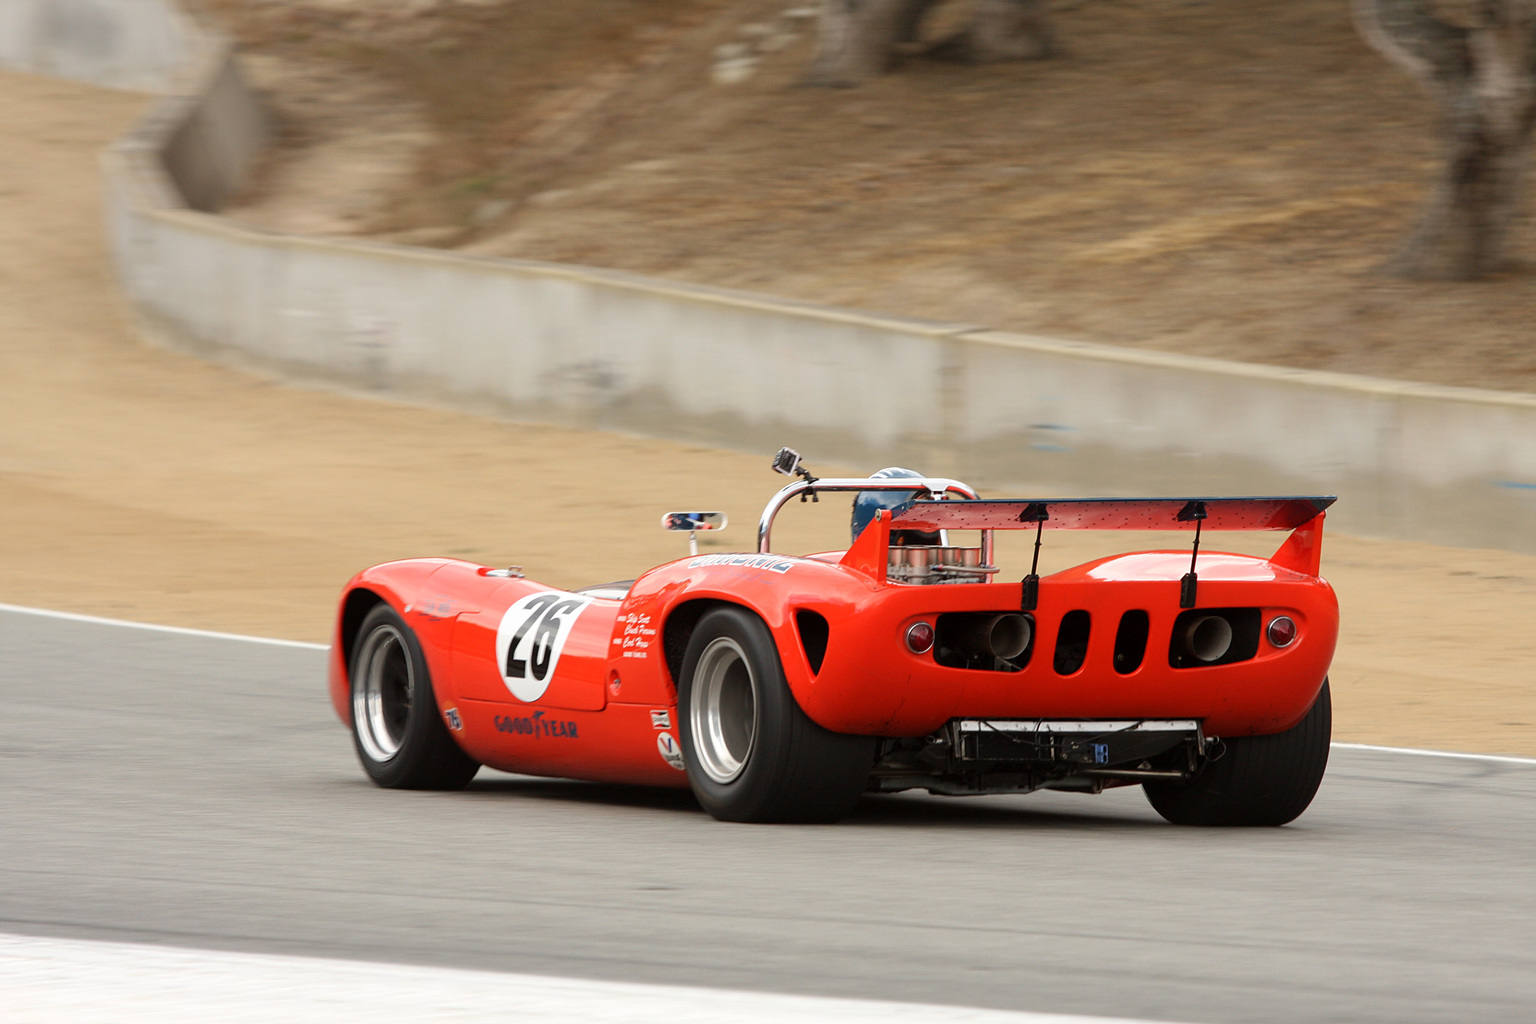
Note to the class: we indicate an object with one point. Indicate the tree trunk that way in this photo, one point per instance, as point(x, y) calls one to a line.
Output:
point(910, 18)
point(1009, 30)
point(857, 38)
point(1462, 229)
point(1477, 59)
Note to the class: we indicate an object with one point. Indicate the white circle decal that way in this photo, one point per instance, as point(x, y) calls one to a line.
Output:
point(670, 752)
point(530, 638)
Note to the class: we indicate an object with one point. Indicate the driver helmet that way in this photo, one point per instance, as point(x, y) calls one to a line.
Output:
point(867, 503)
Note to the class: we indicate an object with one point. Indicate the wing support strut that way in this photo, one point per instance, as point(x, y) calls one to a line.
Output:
point(1029, 596)
point(1193, 510)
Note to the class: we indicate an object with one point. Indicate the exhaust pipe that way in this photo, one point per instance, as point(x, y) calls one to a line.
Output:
point(1208, 638)
point(1005, 635)
point(1009, 635)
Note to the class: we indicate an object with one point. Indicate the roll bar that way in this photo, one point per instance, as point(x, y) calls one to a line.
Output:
point(935, 486)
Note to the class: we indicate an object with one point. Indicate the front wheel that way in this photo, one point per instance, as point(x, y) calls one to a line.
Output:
point(751, 753)
point(396, 728)
point(1260, 780)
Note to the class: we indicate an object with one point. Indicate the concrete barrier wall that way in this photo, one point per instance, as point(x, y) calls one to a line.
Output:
point(1409, 461)
point(610, 350)
point(122, 44)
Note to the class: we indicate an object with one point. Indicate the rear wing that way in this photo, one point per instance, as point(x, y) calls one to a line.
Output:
point(930, 511)
point(1275, 513)
point(1302, 551)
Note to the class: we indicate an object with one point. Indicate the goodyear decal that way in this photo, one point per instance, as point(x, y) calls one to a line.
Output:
point(537, 726)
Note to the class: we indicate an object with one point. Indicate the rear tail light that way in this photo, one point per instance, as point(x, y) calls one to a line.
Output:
point(1282, 631)
point(920, 637)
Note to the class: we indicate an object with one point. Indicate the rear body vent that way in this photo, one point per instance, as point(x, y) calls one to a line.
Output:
point(1072, 642)
point(1131, 641)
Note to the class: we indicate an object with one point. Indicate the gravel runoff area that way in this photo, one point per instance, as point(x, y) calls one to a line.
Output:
point(147, 485)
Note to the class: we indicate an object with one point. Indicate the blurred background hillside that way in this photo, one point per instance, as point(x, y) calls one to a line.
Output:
point(1202, 177)
point(1242, 208)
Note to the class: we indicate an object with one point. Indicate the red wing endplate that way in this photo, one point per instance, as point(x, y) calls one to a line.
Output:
point(1282, 513)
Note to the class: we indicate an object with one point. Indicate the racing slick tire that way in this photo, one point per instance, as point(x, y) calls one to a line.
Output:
point(396, 728)
point(751, 753)
point(1260, 780)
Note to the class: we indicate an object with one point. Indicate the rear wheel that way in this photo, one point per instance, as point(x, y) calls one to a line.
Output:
point(1260, 780)
point(751, 753)
point(396, 728)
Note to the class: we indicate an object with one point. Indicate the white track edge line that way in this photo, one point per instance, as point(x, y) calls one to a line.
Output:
point(86, 981)
point(1420, 752)
point(212, 634)
point(97, 620)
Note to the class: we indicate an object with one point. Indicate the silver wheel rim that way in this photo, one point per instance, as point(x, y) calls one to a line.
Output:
point(381, 701)
point(723, 712)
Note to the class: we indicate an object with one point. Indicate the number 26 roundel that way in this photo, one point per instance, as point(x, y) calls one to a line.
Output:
point(530, 638)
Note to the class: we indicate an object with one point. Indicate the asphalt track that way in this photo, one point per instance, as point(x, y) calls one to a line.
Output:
point(195, 791)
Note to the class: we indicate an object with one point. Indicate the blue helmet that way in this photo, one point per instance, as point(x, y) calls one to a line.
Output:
point(867, 503)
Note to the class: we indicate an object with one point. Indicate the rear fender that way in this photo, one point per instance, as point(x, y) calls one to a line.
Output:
point(827, 592)
point(684, 617)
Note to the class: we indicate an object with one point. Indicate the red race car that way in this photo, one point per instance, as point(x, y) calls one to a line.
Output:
point(781, 688)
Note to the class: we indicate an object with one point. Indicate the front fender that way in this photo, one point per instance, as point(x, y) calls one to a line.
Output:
point(399, 584)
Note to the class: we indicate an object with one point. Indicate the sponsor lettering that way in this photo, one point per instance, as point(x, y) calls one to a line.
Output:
point(435, 608)
point(661, 719)
point(454, 721)
point(537, 726)
point(773, 563)
point(638, 636)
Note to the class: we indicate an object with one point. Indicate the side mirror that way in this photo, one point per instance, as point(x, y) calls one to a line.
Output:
point(692, 522)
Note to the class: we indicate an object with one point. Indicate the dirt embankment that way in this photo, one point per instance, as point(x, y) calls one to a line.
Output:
point(1209, 178)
